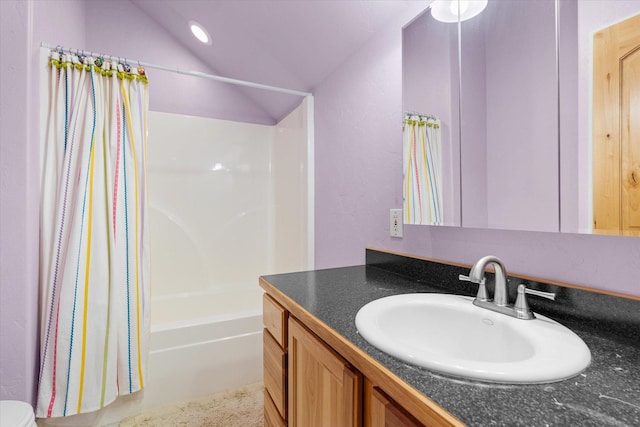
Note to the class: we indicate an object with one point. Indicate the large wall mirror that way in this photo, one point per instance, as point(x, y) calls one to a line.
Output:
point(517, 114)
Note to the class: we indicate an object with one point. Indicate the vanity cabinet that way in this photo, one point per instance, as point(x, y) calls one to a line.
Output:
point(310, 380)
point(324, 390)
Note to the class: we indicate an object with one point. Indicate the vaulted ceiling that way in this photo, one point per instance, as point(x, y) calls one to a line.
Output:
point(294, 44)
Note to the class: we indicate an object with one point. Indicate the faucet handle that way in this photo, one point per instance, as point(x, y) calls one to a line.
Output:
point(547, 295)
point(522, 306)
point(482, 294)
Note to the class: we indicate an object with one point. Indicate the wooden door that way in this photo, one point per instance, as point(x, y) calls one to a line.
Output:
point(616, 129)
point(323, 389)
point(384, 412)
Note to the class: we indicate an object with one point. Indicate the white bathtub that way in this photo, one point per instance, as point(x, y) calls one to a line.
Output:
point(203, 343)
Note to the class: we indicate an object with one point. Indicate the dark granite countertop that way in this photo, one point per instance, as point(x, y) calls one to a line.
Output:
point(607, 393)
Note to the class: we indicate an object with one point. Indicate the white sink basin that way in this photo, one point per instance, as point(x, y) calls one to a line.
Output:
point(448, 334)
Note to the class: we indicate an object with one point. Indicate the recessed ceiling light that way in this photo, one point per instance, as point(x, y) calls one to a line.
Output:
point(200, 33)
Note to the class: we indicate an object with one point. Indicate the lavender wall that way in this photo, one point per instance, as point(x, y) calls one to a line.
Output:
point(18, 223)
point(23, 23)
point(359, 178)
point(358, 149)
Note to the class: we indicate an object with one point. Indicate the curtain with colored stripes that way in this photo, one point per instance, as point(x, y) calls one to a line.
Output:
point(94, 251)
point(422, 170)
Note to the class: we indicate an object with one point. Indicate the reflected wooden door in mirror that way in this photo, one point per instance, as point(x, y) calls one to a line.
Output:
point(616, 129)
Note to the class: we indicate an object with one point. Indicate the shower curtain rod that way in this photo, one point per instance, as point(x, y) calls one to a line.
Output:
point(179, 71)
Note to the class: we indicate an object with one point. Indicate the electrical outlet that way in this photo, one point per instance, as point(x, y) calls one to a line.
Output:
point(395, 224)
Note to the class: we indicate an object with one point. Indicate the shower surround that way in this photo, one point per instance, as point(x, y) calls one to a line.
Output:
point(221, 194)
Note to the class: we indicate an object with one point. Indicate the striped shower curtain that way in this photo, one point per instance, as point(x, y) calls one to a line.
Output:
point(94, 257)
point(422, 170)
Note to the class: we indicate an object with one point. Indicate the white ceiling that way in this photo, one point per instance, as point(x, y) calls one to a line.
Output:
point(294, 44)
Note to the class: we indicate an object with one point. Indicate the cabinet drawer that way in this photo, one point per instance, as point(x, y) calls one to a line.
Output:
point(275, 374)
point(275, 320)
point(271, 416)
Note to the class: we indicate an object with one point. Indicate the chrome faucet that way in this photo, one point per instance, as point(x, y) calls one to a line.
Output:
point(500, 302)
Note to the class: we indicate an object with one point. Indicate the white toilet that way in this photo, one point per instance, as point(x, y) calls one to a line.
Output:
point(14, 413)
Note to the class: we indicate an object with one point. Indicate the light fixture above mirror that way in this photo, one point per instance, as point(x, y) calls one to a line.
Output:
point(449, 10)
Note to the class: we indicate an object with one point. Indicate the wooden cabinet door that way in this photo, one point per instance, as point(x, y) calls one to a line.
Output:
point(384, 412)
point(323, 389)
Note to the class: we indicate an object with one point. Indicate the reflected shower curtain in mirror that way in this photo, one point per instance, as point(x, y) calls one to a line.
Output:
point(94, 252)
point(422, 170)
